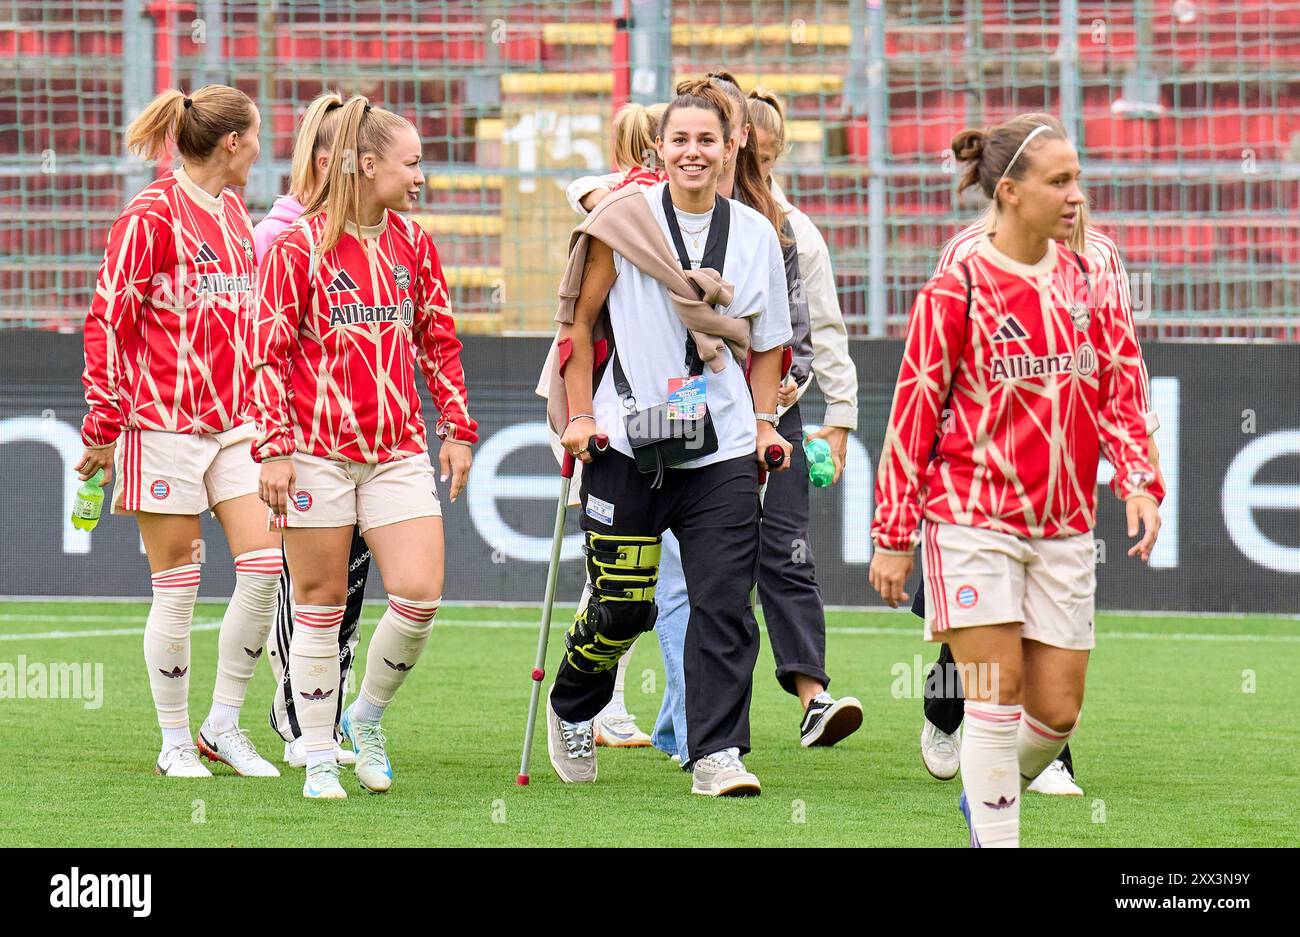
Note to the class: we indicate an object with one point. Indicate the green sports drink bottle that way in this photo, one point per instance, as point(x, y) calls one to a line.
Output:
point(90, 502)
point(821, 467)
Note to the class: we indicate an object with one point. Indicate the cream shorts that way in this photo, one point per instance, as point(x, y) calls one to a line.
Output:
point(182, 473)
point(981, 577)
point(328, 493)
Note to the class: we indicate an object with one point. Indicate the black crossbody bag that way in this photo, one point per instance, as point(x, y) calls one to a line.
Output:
point(658, 442)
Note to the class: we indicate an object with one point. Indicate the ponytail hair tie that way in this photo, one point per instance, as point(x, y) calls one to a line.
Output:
point(366, 109)
point(189, 103)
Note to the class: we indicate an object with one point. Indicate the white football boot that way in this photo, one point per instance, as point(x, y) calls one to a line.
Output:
point(295, 756)
point(323, 782)
point(374, 770)
point(234, 748)
point(181, 761)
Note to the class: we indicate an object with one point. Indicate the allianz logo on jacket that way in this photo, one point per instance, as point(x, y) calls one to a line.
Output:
point(219, 281)
point(356, 313)
point(1082, 361)
point(359, 313)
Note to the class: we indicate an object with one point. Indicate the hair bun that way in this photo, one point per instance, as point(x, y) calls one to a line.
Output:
point(968, 146)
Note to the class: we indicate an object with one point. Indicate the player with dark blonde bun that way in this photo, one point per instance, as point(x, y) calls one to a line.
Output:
point(1038, 370)
point(940, 741)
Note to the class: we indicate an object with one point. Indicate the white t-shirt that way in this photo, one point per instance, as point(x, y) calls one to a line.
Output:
point(651, 339)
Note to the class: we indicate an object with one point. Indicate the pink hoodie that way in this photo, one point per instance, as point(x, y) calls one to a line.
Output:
point(283, 213)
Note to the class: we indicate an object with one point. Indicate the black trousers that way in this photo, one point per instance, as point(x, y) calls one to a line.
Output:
point(713, 511)
point(283, 718)
point(946, 712)
point(787, 573)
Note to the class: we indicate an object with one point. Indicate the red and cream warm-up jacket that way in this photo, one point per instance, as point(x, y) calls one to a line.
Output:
point(338, 336)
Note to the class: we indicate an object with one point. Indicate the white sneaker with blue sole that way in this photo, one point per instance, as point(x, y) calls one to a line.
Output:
point(367, 739)
point(323, 782)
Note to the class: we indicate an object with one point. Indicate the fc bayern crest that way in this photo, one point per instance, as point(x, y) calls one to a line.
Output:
point(402, 277)
point(1081, 316)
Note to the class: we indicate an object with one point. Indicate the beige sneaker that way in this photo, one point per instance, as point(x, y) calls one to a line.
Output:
point(723, 774)
point(572, 747)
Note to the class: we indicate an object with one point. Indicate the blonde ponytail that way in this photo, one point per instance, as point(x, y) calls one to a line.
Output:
point(766, 113)
point(196, 123)
point(315, 136)
point(635, 129)
point(361, 129)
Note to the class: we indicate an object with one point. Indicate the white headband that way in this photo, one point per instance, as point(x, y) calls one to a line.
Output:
point(1033, 133)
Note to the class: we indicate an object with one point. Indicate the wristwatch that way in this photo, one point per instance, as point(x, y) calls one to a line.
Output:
point(770, 417)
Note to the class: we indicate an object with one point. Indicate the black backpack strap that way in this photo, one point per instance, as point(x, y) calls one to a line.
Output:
point(1083, 268)
point(715, 257)
point(715, 248)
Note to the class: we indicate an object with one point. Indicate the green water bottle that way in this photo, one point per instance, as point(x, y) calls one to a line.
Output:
point(90, 502)
point(821, 467)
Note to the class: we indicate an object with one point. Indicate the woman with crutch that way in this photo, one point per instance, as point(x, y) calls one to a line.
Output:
point(686, 436)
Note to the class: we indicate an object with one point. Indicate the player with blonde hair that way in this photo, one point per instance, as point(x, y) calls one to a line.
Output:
point(352, 300)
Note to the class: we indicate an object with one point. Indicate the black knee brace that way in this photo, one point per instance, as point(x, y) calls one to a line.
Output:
point(623, 570)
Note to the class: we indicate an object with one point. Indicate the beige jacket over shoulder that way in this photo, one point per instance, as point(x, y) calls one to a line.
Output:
point(623, 221)
point(836, 375)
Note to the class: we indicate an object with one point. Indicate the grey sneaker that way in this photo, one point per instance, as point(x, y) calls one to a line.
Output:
point(723, 774)
point(572, 746)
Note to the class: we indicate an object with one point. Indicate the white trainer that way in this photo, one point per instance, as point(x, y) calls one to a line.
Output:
point(620, 731)
point(374, 770)
point(234, 748)
point(295, 756)
point(181, 761)
point(940, 751)
point(1056, 779)
point(323, 782)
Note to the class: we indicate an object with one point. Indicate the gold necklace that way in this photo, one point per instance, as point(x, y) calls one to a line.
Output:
point(695, 235)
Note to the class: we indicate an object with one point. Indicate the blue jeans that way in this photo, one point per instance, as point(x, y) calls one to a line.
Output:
point(674, 611)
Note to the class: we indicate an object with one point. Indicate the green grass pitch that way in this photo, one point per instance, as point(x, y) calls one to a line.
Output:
point(1183, 742)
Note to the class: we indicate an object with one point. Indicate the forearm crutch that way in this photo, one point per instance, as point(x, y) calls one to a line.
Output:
point(595, 445)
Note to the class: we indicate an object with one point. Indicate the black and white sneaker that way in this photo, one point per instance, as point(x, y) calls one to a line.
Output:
point(828, 720)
